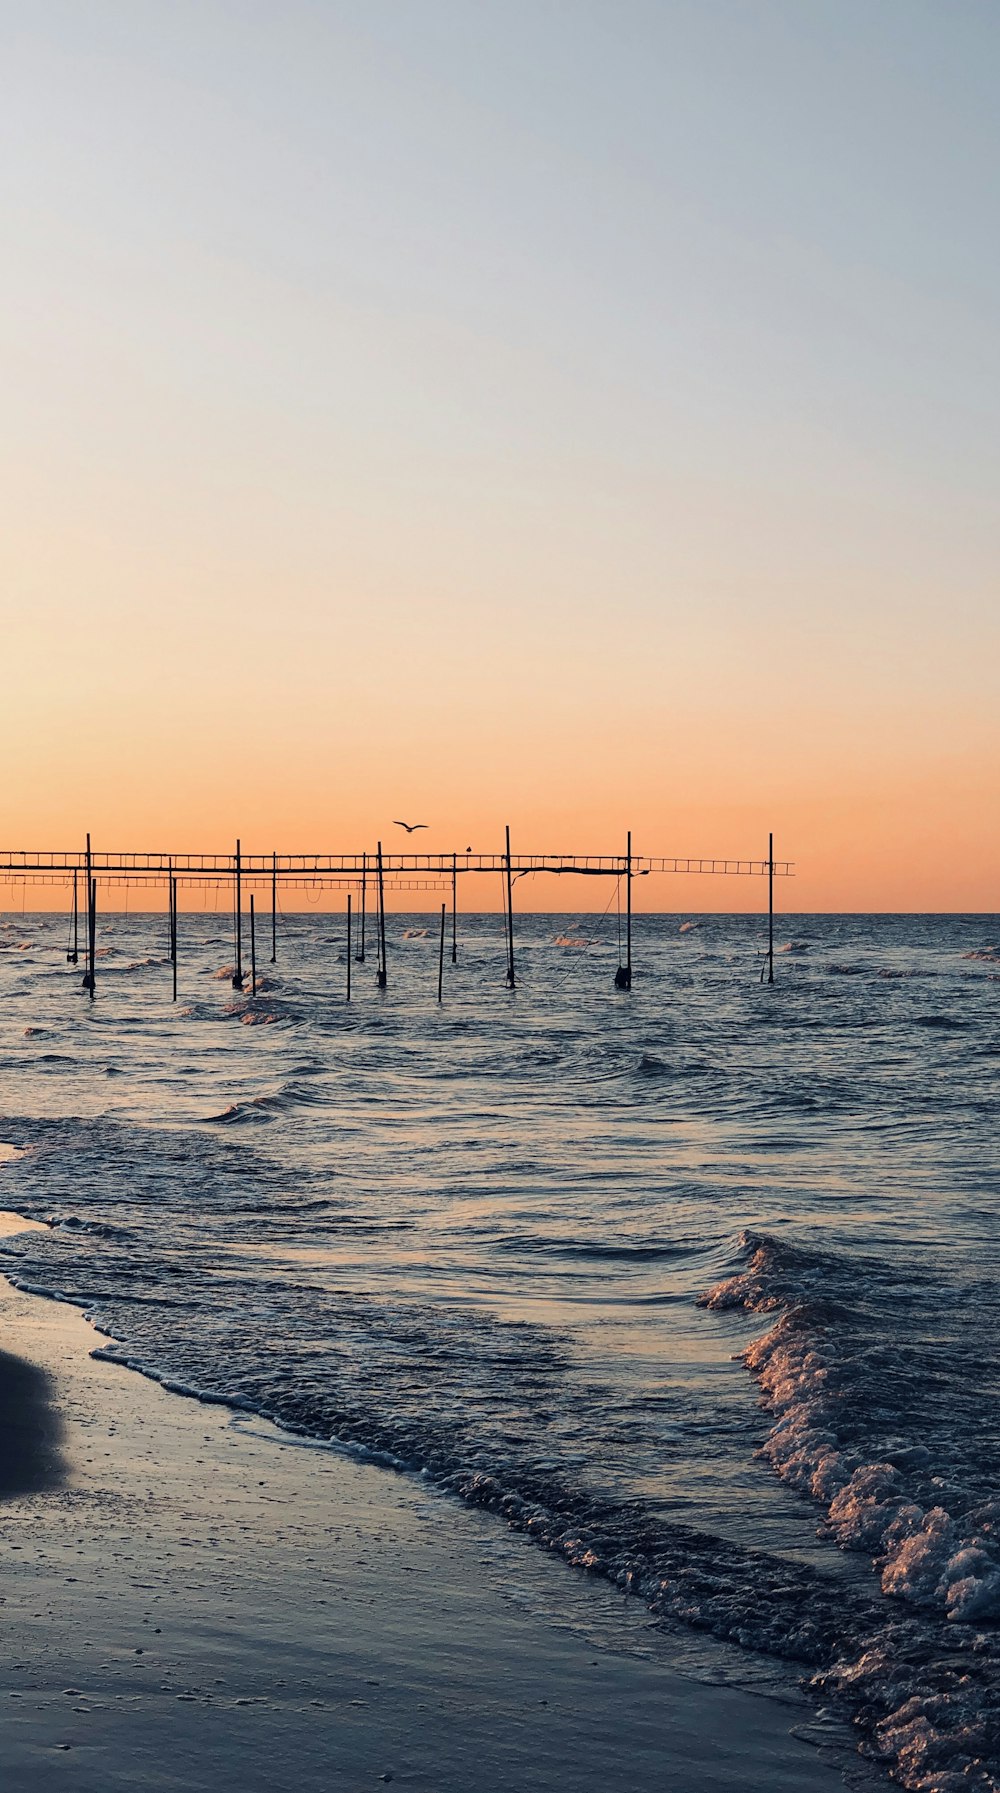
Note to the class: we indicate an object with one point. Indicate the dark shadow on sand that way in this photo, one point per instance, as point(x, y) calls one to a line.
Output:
point(30, 1429)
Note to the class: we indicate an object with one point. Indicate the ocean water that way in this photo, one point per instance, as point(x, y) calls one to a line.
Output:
point(695, 1286)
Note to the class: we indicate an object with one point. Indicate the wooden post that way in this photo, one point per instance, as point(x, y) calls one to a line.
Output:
point(623, 976)
point(511, 980)
point(173, 930)
point(253, 949)
point(444, 911)
point(238, 969)
point(88, 976)
point(73, 956)
point(348, 946)
point(770, 908)
point(382, 975)
point(364, 905)
point(274, 908)
point(628, 910)
point(92, 930)
point(454, 909)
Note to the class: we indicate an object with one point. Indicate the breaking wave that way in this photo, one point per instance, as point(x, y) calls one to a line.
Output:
point(884, 1430)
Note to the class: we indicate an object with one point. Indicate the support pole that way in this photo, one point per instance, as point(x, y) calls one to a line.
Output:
point(623, 976)
point(88, 976)
point(454, 909)
point(348, 946)
point(173, 930)
point(628, 912)
point(73, 956)
point(274, 908)
point(770, 908)
point(511, 980)
point(238, 918)
point(382, 975)
point(92, 931)
point(364, 905)
point(253, 949)
point(444, 911)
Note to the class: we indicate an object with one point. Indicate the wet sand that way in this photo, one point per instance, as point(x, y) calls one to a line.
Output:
point(194, 1600)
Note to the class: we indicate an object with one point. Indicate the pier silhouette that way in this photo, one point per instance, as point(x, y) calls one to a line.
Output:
point(248, 874)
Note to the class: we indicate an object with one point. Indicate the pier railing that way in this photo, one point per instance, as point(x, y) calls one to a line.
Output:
point(150, 868)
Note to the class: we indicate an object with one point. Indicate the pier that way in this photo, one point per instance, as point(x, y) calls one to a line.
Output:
point(247, 875)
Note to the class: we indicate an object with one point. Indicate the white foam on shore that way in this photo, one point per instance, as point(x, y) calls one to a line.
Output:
point(923, 1553)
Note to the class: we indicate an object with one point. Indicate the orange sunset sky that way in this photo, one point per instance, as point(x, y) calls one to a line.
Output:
point(577, 416)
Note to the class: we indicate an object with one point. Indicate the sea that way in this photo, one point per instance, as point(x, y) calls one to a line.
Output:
point(694, 1285)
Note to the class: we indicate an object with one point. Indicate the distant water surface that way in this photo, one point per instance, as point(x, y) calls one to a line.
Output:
point(474, 1239)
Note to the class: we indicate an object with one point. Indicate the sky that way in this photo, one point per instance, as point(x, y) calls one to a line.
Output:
point(576, 414)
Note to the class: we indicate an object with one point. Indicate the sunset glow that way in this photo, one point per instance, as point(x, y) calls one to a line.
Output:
point(396, 421)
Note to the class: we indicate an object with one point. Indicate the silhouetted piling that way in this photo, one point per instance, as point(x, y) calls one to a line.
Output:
point(770, 908)
point(91, 977)
point(274, 908)
point(238, 921)
point(88, 976)
point(382, 975)
point(511, 980)
point(444, 911)
point(623, 976)
point(454, 908)
point(253, 948)
point(364, 906)
point(73, 956)
point(628, 910)
point(348, 946)
point(173, 932)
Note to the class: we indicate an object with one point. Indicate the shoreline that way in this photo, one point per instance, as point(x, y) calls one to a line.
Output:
point(194, 1598)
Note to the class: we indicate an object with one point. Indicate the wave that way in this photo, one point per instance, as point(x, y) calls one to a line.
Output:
point(551, 1161)
point(252, 1012)
point(493, 1412)
point(920, 1506)
point(252, 1108)
point(98, 1229)
point(500, 1413)
point(602, 1250)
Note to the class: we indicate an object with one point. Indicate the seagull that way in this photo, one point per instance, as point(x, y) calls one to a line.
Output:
point(410, 827)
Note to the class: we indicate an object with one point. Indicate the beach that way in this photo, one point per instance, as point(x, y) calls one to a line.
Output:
point(193, 1599)
point(571, 1380)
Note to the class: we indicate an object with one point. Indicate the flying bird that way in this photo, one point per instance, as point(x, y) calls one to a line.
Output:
point(410, 827)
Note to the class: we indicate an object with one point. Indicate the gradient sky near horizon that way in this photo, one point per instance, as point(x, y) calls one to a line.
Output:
point(582, 414)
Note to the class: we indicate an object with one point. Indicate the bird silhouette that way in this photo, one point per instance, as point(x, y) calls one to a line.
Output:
point(410, 827)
